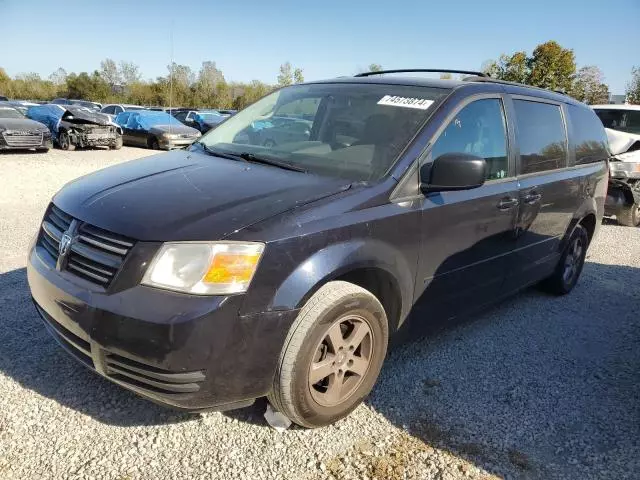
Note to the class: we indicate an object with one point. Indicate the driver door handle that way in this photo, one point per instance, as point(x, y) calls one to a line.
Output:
point(507, 203)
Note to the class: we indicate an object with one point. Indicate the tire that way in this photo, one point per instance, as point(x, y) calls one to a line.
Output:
point(153, 144)
point(629, 215)
point(569, 268)
point(65, 142)
point(337, 308)
point(117, 145)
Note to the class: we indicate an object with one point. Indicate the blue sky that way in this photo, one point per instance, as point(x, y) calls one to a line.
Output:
point(250, 39)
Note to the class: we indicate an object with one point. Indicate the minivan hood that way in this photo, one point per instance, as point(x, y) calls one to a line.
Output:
point(187, 195)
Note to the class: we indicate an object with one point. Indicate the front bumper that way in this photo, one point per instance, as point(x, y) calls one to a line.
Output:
point(189, 352)
point(24, 142)
point(84, 140)
point(170, 144)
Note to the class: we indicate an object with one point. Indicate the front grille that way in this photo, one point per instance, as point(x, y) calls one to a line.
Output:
point(95, 254)
point(23, 139)
point(136, 375)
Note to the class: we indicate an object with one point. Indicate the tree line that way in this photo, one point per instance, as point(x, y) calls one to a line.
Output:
point(549, 66)
point(123, 83)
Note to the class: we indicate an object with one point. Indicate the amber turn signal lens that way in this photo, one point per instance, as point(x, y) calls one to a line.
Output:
point(231, 268)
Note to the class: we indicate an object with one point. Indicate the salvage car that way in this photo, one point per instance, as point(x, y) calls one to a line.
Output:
point(622, 124)
point(17, 132)
point(21, 105)
point(202, 120)
point(95, 106)
point(74, 126)
point(114, 109)
point(208, 277)
point(155, 130)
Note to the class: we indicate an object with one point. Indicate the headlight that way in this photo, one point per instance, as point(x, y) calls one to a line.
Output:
point(171, 136)
point(204, 268)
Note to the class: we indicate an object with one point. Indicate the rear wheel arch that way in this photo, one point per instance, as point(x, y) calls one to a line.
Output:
point(589, 223)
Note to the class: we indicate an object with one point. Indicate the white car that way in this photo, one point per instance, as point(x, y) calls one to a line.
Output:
point(622, 125)
point(114, 109)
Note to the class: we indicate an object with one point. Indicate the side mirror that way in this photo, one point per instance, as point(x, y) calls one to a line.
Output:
point(453, 171)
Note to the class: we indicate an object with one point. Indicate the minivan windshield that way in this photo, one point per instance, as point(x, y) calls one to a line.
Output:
point(352, 131)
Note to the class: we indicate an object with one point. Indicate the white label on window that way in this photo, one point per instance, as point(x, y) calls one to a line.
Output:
point(394, 101)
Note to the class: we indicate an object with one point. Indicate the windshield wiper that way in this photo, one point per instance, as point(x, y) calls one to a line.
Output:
point(251, 157)
point(217, 153)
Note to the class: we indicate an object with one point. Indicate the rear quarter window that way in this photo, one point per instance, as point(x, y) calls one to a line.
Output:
point(588, 134)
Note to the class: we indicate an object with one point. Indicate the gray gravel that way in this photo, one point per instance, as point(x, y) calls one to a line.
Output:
point(538, 387)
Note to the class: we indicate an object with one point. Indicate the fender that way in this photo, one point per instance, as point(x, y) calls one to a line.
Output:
point(340, 259)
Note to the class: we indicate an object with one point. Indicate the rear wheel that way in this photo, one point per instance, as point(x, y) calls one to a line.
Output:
point(117, 145)
point(629, 215)
point(569, 268)
point(332, 355)
point(65, 141)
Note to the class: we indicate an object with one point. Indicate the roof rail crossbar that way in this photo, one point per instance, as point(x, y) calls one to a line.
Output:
point(488, 79)
point(423, 70)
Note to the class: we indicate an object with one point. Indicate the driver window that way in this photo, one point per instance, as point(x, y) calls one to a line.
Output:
point(478, 129)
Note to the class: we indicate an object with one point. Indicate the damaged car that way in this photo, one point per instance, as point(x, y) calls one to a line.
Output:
point(155, 130)
point(73, 126)
point(18, 132)
point(622, 124)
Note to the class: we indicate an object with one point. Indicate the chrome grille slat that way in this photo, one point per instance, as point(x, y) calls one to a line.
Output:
point(96, 232)
point(95, 254)
point(103, 245)
point(30, 140)
point(74, 266)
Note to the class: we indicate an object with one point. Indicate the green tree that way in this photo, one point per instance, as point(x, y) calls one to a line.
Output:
point(589, 86)
point(512, 68)
point(446, 76)
point(88, 87)
point(298, 77)
point(633, 87)
point(375, 67)
point(552, 66)
point(59, 77)
point(286, 76)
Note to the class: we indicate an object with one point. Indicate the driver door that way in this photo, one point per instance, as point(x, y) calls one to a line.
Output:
point(468, 235)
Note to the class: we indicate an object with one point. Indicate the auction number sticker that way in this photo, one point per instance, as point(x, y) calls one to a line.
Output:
point(407, 102)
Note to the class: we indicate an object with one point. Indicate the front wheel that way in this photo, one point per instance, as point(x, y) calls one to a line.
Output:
point(117, 144)
point(629, 215)
point(153, 144)
point(332, 355)
point(65, 142)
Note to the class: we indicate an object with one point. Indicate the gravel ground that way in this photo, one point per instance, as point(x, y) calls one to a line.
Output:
point(538, 387)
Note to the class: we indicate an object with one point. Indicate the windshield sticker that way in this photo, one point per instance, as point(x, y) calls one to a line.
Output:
point(394, 101)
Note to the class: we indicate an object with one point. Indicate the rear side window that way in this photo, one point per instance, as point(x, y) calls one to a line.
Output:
point(478, 129)
point(588, 135)
point(541, 136)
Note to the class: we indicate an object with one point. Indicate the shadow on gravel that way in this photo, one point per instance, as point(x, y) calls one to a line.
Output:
point(538, 386)
point(535, 387)
point(30, 356)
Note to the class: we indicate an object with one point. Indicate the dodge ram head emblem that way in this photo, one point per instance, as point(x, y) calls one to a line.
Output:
point(65, 243)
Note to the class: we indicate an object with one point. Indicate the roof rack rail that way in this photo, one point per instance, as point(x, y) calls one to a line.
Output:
point(423, 70)
point(488, 79)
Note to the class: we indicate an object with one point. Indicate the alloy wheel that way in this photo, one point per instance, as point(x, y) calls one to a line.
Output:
point(572, 261)
point(341, 360)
